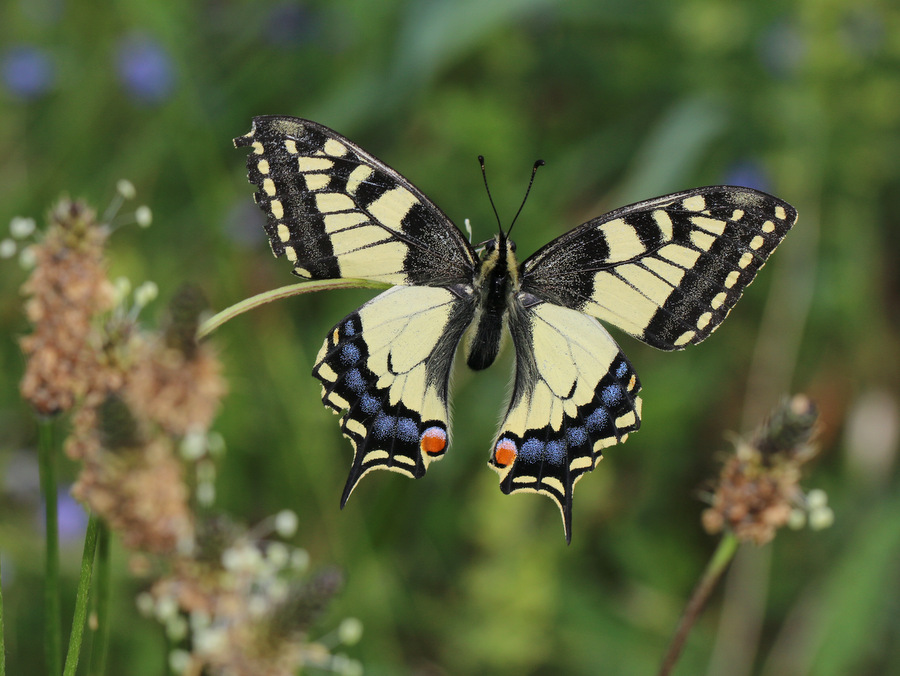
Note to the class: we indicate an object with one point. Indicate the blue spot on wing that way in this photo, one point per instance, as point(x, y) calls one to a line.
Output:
point(369, 404)
point(407, 430)
point(531, 450)
point(355, 381)
point(576, 436)
point(621, 370)
point(611, 395)
point(349, 353)
point(556, 451)
point(384, 426)
point(597, 420)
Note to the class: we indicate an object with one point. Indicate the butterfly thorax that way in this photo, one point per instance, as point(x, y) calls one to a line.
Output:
point(496, 283)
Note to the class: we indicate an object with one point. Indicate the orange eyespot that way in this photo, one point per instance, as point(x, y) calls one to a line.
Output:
point(505, 452)
point(433, 441)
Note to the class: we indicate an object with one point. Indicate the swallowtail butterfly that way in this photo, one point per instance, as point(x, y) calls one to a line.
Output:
point(666, 270)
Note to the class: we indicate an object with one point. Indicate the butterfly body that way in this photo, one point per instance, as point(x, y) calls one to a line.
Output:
point(496, 286)
point(667, 270)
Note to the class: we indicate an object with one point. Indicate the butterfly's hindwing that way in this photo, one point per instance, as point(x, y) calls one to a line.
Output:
point(666, 270)
point(575, 393)
point(388, 366)
point(337, 212)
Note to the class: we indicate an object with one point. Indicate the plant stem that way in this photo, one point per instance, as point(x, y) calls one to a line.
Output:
point(52, 619)
point(717, 564)
point(81, 598)
point(101, 603)
point(2, 642)
point(233, 311)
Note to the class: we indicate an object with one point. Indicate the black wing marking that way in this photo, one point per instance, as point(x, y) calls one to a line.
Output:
point(388, 366)
point(666, 270)
point(575, 393)
point(336, 211)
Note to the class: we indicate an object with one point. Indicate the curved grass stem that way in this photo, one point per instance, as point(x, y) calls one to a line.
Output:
point(233, 311)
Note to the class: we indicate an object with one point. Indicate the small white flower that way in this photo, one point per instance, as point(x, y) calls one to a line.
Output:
point(211, 641)
point(231, 559)
point(126, 188)
point(278, 554)
point(278, 591)
point(346, 666)
point(215, 444)
point(145, 604)
point(199, 620)
point(21, 227)
point(821, 518)
point(179, 660)
point(145, 294)
point(816, 498)
point(121, 289)
point(258, 605)
point(286, 523)
point(176, 628)
point(166, 608)
point(193, 445)
point(8, 248)
point(299, 560)
point(143, 215)
point(350, 630)
point(206, 493)
point(796, 519)
point(206, 471)
point(27, 258)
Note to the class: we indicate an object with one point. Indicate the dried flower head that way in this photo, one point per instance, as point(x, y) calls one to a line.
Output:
point(67, 290)
point(758, 488)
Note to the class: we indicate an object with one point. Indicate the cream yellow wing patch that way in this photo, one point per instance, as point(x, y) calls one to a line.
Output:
point(667, 270)
point(388, 365)
point(338, 212)
point(575, 393)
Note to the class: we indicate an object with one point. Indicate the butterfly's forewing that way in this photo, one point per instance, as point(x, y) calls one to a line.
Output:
point(338, 212)
point(666, 270)
point(575, 393)
point(388, 366)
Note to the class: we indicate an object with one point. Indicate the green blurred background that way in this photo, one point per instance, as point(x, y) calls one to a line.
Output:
point(625, 101)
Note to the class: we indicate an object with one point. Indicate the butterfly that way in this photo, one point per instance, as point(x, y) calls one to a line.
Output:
point(666, 270)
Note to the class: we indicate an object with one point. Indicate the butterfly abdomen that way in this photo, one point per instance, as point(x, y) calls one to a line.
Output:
point(495, 284)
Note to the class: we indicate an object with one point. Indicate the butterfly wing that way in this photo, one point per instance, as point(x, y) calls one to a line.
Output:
point(388, 366)
point(666, 270)
point(337, 212)
point(574, 394)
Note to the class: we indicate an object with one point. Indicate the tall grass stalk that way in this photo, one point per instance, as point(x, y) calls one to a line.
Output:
point(52, 620)
point(81, 598)
point(101, 603)
point(2, 642)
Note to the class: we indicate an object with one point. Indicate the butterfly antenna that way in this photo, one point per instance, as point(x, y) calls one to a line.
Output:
point(539, 163)
point(484, 175)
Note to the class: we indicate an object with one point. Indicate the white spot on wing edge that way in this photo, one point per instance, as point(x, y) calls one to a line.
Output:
point(277, 209)
point(335, 148)
point(685, 338)
point(780, 212)
point(694, 203)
